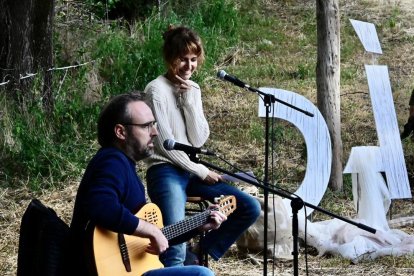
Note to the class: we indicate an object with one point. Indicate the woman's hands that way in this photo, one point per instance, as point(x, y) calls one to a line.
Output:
point(182, 85)
point(212, 178)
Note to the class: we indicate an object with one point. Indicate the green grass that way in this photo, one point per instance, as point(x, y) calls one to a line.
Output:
point(265, 43)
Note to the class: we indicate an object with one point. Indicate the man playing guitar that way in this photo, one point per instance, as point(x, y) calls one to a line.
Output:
point(111, 193)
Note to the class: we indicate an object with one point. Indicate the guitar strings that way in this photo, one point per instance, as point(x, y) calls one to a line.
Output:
point(181, 227)
point(170, 231)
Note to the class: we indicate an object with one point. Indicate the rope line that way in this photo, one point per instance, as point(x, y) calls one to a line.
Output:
point(29, 75)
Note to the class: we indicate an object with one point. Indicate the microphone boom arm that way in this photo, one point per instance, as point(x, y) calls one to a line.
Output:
point(284, 194)
point(296, 204)
point(269, 98)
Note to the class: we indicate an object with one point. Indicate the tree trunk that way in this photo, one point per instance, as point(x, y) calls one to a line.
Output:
point(26, 46)
point(16, 58)
point(43, 47)
point(328, 80)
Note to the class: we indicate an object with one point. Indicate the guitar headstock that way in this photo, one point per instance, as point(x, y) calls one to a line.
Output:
point(226, 204)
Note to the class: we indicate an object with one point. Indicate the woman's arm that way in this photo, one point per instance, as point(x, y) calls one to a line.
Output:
point(171, 126)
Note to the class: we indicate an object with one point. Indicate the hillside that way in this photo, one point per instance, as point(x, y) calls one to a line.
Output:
point(278, 49)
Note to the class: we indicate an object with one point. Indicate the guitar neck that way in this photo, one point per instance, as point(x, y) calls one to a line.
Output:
point(186, 225)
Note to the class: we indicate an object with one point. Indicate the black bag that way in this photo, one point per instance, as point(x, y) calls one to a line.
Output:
point(43, 242)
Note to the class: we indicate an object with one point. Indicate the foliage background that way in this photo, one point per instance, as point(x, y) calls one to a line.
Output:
point(266, 43)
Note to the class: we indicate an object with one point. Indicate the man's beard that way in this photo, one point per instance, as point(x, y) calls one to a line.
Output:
point(148, 152)
point(138, 152)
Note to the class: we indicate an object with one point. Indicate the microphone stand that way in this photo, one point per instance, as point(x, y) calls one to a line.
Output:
point(268, 100)
point(296, 204)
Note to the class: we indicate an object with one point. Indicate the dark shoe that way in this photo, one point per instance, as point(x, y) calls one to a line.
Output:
point(408, 128)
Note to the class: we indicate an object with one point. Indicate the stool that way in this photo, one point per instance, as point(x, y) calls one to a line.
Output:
point(200, 206)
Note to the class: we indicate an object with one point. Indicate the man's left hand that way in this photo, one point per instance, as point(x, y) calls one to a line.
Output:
point(216, 219)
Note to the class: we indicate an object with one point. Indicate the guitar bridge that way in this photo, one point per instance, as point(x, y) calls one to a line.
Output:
point(123, 249)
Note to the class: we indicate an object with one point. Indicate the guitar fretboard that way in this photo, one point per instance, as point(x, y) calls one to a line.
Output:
point(186, 225)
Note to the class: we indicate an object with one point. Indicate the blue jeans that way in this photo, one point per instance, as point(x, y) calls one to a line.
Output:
point(168, 187)
point(191, 270)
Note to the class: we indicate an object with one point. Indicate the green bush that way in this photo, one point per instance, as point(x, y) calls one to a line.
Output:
point(45, 150)
point(113, 9)
point(129, 59)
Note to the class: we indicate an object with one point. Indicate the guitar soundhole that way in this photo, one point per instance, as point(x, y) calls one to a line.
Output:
point(151, 217)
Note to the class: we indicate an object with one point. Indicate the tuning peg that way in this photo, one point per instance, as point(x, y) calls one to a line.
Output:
point(218, 199)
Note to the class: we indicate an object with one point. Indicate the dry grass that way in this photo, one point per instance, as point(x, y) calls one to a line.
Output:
point(14, 202)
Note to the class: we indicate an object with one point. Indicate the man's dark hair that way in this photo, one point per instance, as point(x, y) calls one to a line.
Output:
point(115, 112)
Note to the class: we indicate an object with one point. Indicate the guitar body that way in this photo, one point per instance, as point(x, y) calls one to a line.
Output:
point(124, 255)
point(108, 258)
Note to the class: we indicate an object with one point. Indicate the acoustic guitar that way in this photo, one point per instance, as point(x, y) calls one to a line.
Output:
point(118, 254)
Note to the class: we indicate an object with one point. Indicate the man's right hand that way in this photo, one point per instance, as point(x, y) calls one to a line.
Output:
point(158, 242)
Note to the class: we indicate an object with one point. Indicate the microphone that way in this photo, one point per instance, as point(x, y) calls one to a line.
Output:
point(170, 144)
point(224, 76)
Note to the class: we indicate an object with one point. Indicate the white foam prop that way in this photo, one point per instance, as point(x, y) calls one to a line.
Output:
point(367, 34)
point(386, 123)
point(317, 139)
point(372, 200)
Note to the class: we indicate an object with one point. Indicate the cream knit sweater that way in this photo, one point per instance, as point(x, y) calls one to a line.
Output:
point(179, 118)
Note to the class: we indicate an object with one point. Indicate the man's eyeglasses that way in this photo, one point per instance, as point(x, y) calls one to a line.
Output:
point(148, 125)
